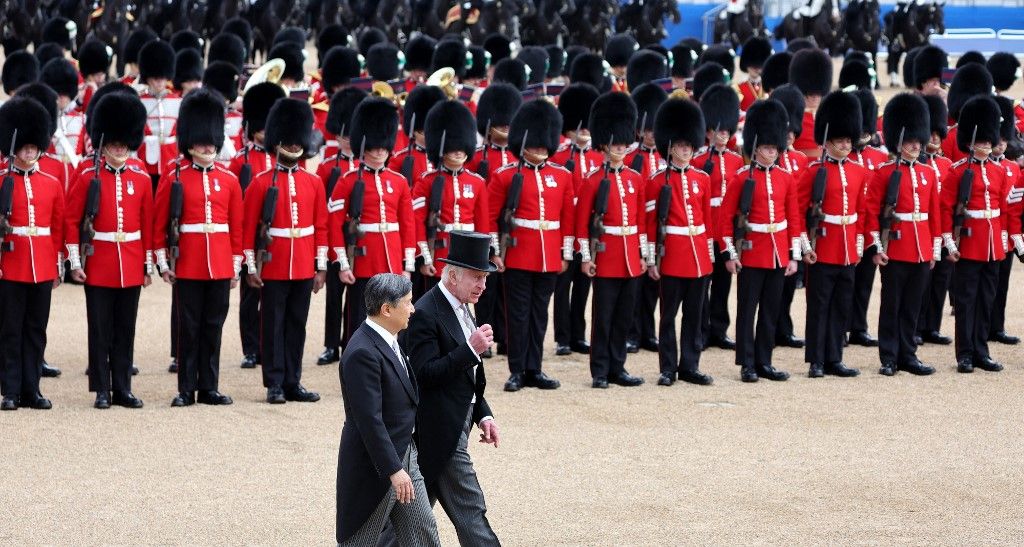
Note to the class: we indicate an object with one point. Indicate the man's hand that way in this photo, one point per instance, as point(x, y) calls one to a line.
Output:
point(791, 268)
point(481, 338)
point(147, 280)
point(498, 262)
point(78, 275)
point(169, 277)
point(428, 270)
point(811, 257)
point(347, 277)
point(931, 264)
point(953, 256)
point(880, 259)
point(318, 281)
point(56, 281)
point(255, 281)
point(589, 269)
point(489, 433)
point(565, 266)
point(653, 273)
point(402, 483)
point(407, 275)
point(733, 266)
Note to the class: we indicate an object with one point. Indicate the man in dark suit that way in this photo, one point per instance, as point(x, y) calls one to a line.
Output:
point(377, 449)
point(446, 346)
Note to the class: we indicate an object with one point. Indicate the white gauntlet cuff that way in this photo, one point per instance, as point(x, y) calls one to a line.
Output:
point(797, 248)
point(236, 265)
point(585, 250)
point(74, 257)
point(860, 245)
point(342, 258)
point(425, 253)
point(643, 246)
point(876, 241)
point(149, 263)
point(494, 242)
point(250, 260)
point(567, 248)
point(410, 259)
point(60, 265)
point(652, 254)
point(321, 258)
point(1018, 243)
point(1006, 241)
point(730, 248)
point(937, 246)
point(711, 250)
point(161, 260)
point(947, 240)
point(805, 243)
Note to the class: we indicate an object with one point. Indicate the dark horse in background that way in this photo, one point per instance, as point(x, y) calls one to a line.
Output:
point(736, 27)
point(908, 26)
point(862, 28)
point(646, 19)
point(818, 20)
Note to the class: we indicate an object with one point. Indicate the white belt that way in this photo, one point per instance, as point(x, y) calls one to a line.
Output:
point(29, 231)
point(290, 233)
point(716, 202)
point(911, 217)
point(767, 228)
point(117, 237)
point(204, 228)
point(685, 230)
point(537, 224)
point(379, 227)
point(982, 213)
point(842, 220)
point(458, 226)
point(620, 230)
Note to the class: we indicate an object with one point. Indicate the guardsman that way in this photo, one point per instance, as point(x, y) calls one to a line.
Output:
point(1007, 153)
point(297, 248)
point(756, 50)
point(48, 163)
point(156, 69)
point(94, 59)
point(929, 324)
point(30, 256)
point(762, 200)
point(973, 227)
point(969, 80)
point(223, 78)
point(339, 66)
point(613, 247)
point(69, 138)
point(911, 243)
point(811, 72)
point(831, 190)
point(209, 246)
point(137, 38)
point(418, 103)
point(541, 228)
point(645, 65)
point(1005, 70)
point(619, 49)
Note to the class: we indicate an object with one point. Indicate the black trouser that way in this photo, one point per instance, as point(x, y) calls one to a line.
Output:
point(354, 308)
point(24, 314)
point(333, 307)
point(527, 295)
point(284, 308)
point(611, 318)
point(784, 327)
point(759, 290)
point(829, 299)
point(903, 286)
point(716, 304)
point(111, 314)
point(491, 307)
point(690, 293)
point(249, 316)
point(998, 323)
point(202, 309)
point(974, 283)
point(863, 282)
point(571, 289)
point(935, 296)
point(174, 324)
point(643, 322)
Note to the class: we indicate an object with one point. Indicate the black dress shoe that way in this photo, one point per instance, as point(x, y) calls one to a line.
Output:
point(695, 377)
point(173, 368)
point(37, 402)
point(987, 364)
point(748, 374)
point(581, 346)
point(328, 356)
point(917, 368)
point(918, 340)
point(185, 398)
point(1003, 338)
point(936, 337)
point(50, 371)
point(789, 341)
point(213, 398)
point(514, 383)
point(135, 370)
point(487, 354)
point(562, 349)
point(841, 370)
point(301, 395)
point(816, 370)
point(275, 395)
point(102, 400)
point(769, 372)
point(887, 369)
point(540, 380)
point(723, 342)
point(861, 338)
point(599, 383)
point(9, 403)
point(649, 344)
point(625, 379)
point(666, 379)
point(249, 361)
point(632, 347)
point(126, 399)
point(964, 366)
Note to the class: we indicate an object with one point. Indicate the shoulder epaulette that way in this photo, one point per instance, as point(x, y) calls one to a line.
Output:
point(742, 169)
point(885, 163)
point(472, 174)
point(659, 172)
point(591, 172)
point(957, 163)
point(559, 167)
point(506, 167)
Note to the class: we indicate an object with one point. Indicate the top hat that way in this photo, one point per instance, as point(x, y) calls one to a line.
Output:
point(470, 250)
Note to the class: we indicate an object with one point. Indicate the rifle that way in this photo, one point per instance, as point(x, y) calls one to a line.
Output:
point(177, 205)
point(245, 173)
point(355, 212)
point(7, 201)
point(484, 167)
point(815, 215)
point(506, 221)
point(87, 231)
point(664, 206)
point(741, 223)
point(434, 206)
point(332, 179)
point(892, 195)
point(600, 207)
point(263, 237)
point(963, 195)
point(710, 164)
point(638, 160)
point(570, 164)
point(407, 162)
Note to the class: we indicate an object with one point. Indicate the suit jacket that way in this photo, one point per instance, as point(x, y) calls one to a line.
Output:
point(380, 413)
point(443, 361)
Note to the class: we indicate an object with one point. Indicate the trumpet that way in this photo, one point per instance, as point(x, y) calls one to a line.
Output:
point(445, 79)
point(384, 89)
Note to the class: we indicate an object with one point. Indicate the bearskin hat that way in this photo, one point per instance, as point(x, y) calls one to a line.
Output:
point(645, 66)
point(721, 108)
point(765, 124)
point(374, 124)
point(1007, 124)
point(857, 55)
point(419, 52)
point(121, 117)
point(970, 57)
point(838, 117)
point(294, 35)
point(556, 60)
point(499, 46)
point(694, 43)
point(708, 75)
point(938, 115)
point(683, 59)
point(811, 71)
point(44, 96)
point(256, 105)
point(928, 64)
point(419, 102)
point(571, 53)
point(368, 37)
point(108, 88)
point(588, 68)
point(982, 113)
point(200, 120)
point(186, 39)
point(775, 71)
point(481, 62)
point(452, 54)
point(613, 119)
point(648, 99)
point(330, 36)
point(20, 68)
point(228, 48)
point(574, 104)
point(800, 44)
point(540, 123)
point(536, 59)
point(241, 28)
point(755, 52)
point(857, 74)
point(722, 54)
point(1004, 68)
point(223, 78)
point(657, 48)
point(48, 52)
point(497, 104)
point(23, 114)
point(907, 113)
point(868, 111)
point(293, 57)
point(454, 122)
point(290, 121)
point(678, 120)
point(339, 115)
point(133, 44)
point(61, 31)
point(619, 49)
point(156, 60)
point(340, 65)
point(188, 67)
point(511, 71)
point(970, 80)
point(384, 61)
point(793, 100)
point(908, 67)
point(61, 76)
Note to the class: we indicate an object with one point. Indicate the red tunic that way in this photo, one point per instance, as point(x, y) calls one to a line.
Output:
point(497, 157)
point(918, 205)
point(342, 162)
point(749, 92)
point(464, 206)
point(941, 165)
point(776, 220)
point(625, 237)
point(37, 208)
point(420, 164)
point(688, 252)
point(160, 144)
point(840, 240)
point(1015, 205)
point(870, 157)
point(794, 161)
point(652, 162)
point(724, 165)
point(805, 142)
point(584, 161)
point(949, 147)
point(987, 214)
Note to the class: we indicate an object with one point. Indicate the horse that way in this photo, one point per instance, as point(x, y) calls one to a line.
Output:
point(545, 25)
point(22, 23)
point(590, 25)
point(817, 20)
point(113, 25)
point(908, 26)
point(500, 16)
point(862, 29)
point(739, 21)
point(645, 19)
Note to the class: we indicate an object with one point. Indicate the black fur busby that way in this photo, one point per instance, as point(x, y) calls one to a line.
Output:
point(48, 52)
point(574, 104)
point(588, 68)
point(648, 99)
point(339, 115)
point(121, 118)
point(838, 117)
point(800, 44)
point(811, 71)
point(928, 64)
point(419, 52)
point(43, 95)
point(497, 104)
point(419, 102)
point(775, 71)
point(694, 43)
point(61, 31)
point(708, 75)
point(256, 105)
point(970, 80)
point(290, 121)
point(61, 76)
point(293, 58)
point(1004, 68)
point(556, 60)
point(868, 111)
point(330, 36)
point(511, 71)
point(571, 53)
point(23, 114)
point(981, 112)
point(452, 54)
point(678, 120)
point(374, 124)
point(938, 115)
point(856, 74)
point(755, 52)
point(384, 61)
point(108, 88)
point(683, 59)
point(20, 68)
point(481, 62)
point(722, 54)
point(765, 124)
point(645, 66)
point(613, 120)
point(859, 56)
point(188, 67)
point(455, 122)
point(294, 35)
point(200, 120)
point(186, 39)
point(228, 48)
point(133, 44)
point(241, 28)
point(498, 45)
point(721, 108)
point(1008, 129)
point(223, 78)
point(793, 100)
point(340, 65)
point(536, 58)
point(619, 49)
point(540, 123)
point(368, 37)
point(970, 57)
point(156, 60)
point(908, 67)
point(906, 112)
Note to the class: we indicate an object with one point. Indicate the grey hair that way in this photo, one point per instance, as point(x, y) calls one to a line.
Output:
point(384, 288)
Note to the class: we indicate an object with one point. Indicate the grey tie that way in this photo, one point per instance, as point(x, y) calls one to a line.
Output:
point(401, 358)
point(467, 317)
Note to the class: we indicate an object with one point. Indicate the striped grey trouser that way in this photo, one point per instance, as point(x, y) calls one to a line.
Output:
point(461, 497)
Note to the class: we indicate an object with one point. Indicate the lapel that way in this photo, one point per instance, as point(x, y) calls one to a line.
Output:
point(451, 321)
point(389, 354)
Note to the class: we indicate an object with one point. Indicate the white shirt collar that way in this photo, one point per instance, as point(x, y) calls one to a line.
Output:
point(389, 338)
point(456, 305)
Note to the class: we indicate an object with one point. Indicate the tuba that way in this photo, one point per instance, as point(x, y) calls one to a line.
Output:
point(445, 79)
point(384, 89)
point(270, 71)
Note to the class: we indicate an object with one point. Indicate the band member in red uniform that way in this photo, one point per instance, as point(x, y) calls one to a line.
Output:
point(542, 229)
point(721, 109)
point(756, 50)
point(30, 256)
point(970, 80)
point(210, 244)
point(418, 103)
point(929, 324)
point(297, 246)
point(121, 263)
point(835, 243)
point(811, 72)
point(1007, 153)
point(913, 241)
point(972, 231)
point(156, 69)
point(770, 248)
point(223, 78)
point(69, 138)
point(615, 259)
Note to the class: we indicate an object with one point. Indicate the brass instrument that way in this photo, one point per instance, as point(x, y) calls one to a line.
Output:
point(270, 71)
point(445, 79)
point(384, 89)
